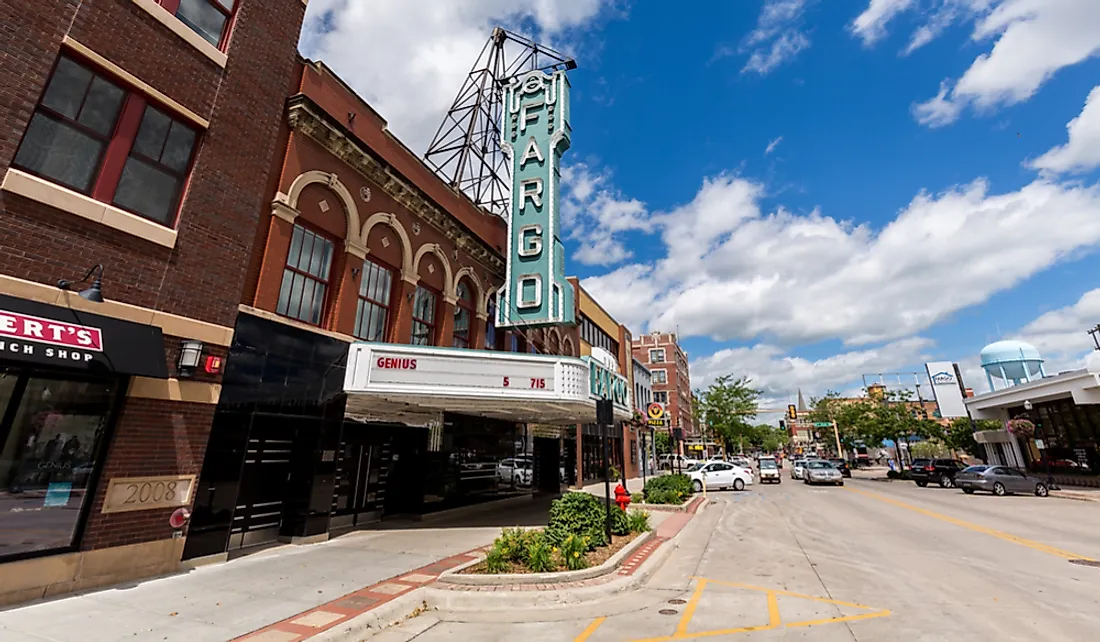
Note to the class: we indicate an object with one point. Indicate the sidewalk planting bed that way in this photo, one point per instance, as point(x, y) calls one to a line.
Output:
point(575, 538)
point(668, 489)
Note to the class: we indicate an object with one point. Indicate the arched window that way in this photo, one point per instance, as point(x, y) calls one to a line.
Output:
point(464, 312)
point(423, 314)
point(372, 318)
point(490, 325)
point(306, 277)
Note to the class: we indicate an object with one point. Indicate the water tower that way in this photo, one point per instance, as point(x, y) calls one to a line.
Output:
point(1012, 362)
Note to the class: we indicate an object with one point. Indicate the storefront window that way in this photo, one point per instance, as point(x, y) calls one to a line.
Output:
point(52, 432)
point(477, 459)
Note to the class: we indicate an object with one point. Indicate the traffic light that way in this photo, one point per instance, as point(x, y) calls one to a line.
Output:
point(792, 412)
point(782, 425)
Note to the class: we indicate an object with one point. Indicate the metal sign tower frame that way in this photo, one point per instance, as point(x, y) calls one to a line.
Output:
point(466, 151)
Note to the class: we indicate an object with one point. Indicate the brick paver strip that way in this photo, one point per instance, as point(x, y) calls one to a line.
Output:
point(318, 619)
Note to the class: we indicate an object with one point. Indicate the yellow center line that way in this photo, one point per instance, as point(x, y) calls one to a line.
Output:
point(587, 633)
point(1008, 537)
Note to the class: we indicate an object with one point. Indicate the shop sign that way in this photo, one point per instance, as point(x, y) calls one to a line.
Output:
point(125, 494)
point(536, 134)
point(655, 414)
point(604, 384)
point(50, 335)
point(440, 373)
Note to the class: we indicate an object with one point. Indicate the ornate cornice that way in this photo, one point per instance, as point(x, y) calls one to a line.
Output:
point(306, 117)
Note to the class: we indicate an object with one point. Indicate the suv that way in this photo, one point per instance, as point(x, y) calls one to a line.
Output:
point(841, 465)
point(940, 471)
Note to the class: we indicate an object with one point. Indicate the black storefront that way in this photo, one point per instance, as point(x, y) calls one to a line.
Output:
point(592, 443)
point(63, 380)
point(1070, 434)
point(284, 463)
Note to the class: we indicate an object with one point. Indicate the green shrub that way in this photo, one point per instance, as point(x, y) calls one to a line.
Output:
point(620, 524)
point(495, 562)
point(578, 514)
point(572, 552)
point(668, 483)
point(514, 542)
point(637, 498)
point(539, 557)
point(637, 521)
point(614, 473)
point(664, 497)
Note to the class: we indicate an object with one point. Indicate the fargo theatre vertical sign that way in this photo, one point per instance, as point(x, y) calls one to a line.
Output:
point(536, 134)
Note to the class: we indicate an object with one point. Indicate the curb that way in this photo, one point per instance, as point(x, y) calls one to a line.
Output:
point(1077, 497)
point(454, 576)
point(377, 620)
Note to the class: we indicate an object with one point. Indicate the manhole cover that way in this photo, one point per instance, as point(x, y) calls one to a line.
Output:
point(668, 612)
point(677, 601)
point(1093, 563)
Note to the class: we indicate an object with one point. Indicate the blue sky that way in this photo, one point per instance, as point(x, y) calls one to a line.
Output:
point(808, 190)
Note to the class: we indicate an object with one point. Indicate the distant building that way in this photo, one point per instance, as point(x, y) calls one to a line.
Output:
point(671, 382)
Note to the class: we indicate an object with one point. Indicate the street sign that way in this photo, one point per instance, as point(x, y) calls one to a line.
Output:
point(823, 424)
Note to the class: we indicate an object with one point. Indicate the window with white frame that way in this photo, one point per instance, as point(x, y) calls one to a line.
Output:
point(660, 396)
point(372, 318)
point(657, 356)
point(208, 18)
point(660, 376)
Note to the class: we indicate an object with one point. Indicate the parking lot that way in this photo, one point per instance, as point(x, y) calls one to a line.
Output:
point(868, 561)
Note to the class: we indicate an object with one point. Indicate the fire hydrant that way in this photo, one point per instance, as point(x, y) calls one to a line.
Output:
point(622, 498)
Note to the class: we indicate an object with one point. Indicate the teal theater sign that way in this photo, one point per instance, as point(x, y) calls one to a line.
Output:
point(605, 384)
point(536, 134)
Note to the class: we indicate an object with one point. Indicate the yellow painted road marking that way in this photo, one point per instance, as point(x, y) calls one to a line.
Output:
point(774, 619)
point(1008, 537)
point(587, 633)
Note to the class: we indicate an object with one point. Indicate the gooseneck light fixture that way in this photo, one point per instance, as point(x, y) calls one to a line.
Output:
point(93, 293)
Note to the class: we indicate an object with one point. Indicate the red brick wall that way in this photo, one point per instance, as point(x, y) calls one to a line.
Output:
point(679, 380)
point(152, 437)
point(203, 276)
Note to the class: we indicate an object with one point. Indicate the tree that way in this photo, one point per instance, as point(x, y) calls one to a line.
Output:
point(726, 408)
point(851, 417)
point(662, 442)
point(895, 419)
point(960, 435)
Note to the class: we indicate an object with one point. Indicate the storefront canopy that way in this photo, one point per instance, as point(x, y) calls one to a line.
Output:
point(414, 384)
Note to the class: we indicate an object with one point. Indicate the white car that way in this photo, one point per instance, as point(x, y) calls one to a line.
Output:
point(798, 467)
point(719, 474)
point(769, 471)
point(515, 471)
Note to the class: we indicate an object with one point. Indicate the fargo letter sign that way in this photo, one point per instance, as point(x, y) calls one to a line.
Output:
point(605, 384)
point(536, 134)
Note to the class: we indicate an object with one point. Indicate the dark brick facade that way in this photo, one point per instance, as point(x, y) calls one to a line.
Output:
point(203, 275)
point(678, 379)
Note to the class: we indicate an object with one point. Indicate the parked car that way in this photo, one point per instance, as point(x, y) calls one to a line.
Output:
point(798, 466)
point(939, 471)
point(675, 462)
point(769, 471)
point(819, 471)
point(719, 474)
point(842, 466)
point(999, 480)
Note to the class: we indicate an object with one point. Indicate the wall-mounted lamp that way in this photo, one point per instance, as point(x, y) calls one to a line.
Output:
point(190, 357)
point(93, 293)
point(1028, 405)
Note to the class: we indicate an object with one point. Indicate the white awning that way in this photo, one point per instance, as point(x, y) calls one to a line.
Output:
point(416, 384)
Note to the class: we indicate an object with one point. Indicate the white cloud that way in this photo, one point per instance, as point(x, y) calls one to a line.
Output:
point(408, 58)
point(870, 25)
point(778, 375)
point(777, 38)
point(732, 271)
point(772, 145)
point(1032, 40)
point(596, 214)
point(1082, 151)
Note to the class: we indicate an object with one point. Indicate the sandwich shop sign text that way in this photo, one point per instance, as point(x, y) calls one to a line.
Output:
point(536, 134)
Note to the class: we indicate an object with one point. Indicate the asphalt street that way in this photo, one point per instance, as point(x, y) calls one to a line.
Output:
point(868, 561)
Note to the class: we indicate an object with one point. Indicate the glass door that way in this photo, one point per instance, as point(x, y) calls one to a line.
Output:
point(360, 489)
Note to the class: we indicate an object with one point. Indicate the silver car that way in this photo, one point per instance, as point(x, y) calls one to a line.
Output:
point(798, 467)
point(819, 471)
point(999, 480)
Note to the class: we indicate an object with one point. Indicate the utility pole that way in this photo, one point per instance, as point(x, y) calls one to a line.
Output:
point(836, 434)
point(605, 417)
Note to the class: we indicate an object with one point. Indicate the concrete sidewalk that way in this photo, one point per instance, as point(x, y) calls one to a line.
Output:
point(224, 601)
point(633, 485)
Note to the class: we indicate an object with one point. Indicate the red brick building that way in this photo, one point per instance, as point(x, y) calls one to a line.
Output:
point(671, 382)
point(359, 243)
point(136, 141)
